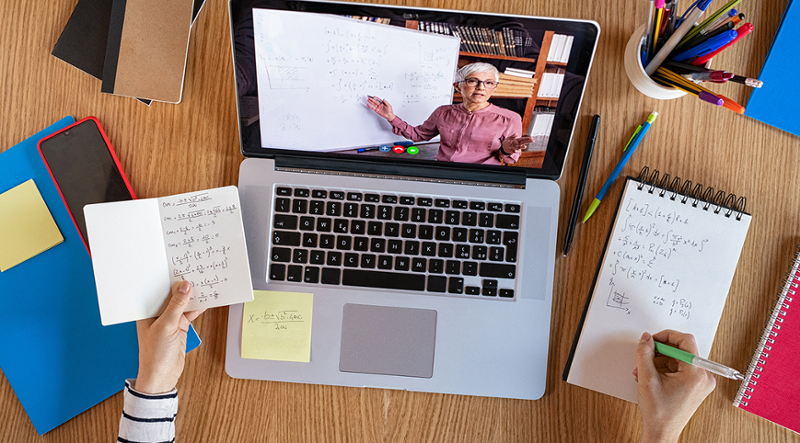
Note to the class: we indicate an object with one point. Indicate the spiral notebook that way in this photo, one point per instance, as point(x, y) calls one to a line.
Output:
point(771, 388)
point(668, 263)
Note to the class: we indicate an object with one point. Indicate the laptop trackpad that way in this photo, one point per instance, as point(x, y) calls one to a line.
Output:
point(388, 340)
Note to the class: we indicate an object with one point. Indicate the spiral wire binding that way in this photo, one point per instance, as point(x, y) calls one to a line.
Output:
point(699, 195)
point(771, 330)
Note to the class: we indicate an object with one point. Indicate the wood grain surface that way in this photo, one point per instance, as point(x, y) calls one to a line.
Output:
point(167, 149)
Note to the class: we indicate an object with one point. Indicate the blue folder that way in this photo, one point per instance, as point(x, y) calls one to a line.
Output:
point(55, 353)
point(777, 103)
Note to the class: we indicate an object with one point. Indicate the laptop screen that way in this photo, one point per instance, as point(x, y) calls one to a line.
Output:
point(407, 85)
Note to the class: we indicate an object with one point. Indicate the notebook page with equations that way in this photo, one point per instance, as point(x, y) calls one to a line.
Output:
point(668, 264)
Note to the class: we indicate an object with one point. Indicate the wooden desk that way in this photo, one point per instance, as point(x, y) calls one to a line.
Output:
point(167, 149)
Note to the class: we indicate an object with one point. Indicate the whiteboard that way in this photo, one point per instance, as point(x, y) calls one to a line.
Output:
point(315, 72)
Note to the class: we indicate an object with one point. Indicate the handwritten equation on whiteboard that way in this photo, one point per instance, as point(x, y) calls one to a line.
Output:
point(205, 244)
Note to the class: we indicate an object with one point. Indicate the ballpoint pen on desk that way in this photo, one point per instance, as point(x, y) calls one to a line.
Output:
point(632, 144)
point(676, 36)
point(576, 204)
point(741, 32)
point(700, 362)
point(700, 38)
point(707, 47)
point(710, 19)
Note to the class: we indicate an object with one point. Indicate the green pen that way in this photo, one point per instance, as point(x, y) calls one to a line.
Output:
point(700, 362)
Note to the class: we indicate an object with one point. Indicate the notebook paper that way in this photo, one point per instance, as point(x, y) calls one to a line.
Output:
point(667, 265)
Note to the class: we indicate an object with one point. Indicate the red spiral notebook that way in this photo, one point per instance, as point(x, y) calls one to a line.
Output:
point(771, 388)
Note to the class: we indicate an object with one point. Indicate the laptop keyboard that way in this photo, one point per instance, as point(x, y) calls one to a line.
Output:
point(432, 244)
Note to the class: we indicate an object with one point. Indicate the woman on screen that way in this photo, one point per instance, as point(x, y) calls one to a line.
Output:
point(474, 131)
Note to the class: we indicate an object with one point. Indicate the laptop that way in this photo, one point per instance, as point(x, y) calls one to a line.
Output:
point(427, 273)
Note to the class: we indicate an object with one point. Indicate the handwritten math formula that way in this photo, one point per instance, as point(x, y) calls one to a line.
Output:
point(278, 320)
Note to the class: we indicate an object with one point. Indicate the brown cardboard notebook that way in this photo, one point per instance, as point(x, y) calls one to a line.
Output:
point(146, 51)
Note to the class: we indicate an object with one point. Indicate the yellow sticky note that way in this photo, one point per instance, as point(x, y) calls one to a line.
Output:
point(277, 326)
point(26, 226)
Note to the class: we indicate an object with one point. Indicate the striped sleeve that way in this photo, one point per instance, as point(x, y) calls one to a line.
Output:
point(148, 418)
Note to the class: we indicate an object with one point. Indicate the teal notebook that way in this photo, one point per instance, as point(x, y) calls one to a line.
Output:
point(776, 103)
point(55, 353)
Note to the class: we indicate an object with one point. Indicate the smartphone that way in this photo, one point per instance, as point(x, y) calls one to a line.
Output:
point(85, 169)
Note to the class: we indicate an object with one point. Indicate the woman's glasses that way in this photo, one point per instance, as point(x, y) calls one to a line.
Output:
point(474, 82)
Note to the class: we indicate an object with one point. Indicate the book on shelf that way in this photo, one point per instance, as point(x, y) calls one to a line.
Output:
point(551, 85)
point(560, 48)
point(503, 41)
point(521, 73)
point(381, 20)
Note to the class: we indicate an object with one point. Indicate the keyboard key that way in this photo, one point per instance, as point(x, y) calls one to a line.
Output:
point(389, 199)
point(460, 204)
point(469, 268)
point(300, 256)
point(512, 208)
point(377, 245)
point(391, 229)
point(333, 209)
point(428, 249)
point(319, 193)
point(300, 206)
point(411, 247)
point(284, 238)
point(408, 231)
point(511, 254)
point(452, 267)
point(300, 192)
point(277, 272)
point(354, 196)
point(462, 251)
point(394, 246)
point(282, 205)
point(385, 262)
point(350, 210)
point(424, 201)
point(435, 216)
point(489, 292)
point(497, 270)
point(361, 244)
point(367, 211)
point(446, 250)
point(310, 240)
point(495, 207)
point(441, 203)
point(351, 260)
point(316, 207)
point(486, 220)
point(496, 253)
point(477, 206)
point(489, 283)
point(405, 200)
point(324, 224)
point(311, 275)
point(472, 290)
point(419, 264)
point(283, 191)
point(476, 235)
point(375, 228)
point(306, 223)
point(505, 221)
point(418, 215)
point(281, 221)
point(442, 233)
point(401, 213)
point(341, 225)
point(294, 273)
point(495, 237)
point(401, 263)
point(455, 285)
point(327, 241)
point(368, 261)
point(343, 242)
point(479, 252)
point(383, 279)
point(426, 232)
point(452, 217)
point(435, 266)
point(316, 257)
point(384, 212)
point(358, 227)
point(374, 198)
point(437, 283)
point(460, 235)
point(469, 218)
point(508, 293)
point(510, 239)
point(330, 276)
point(337, 195)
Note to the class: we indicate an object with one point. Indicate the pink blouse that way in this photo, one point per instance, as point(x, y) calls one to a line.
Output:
point(466, 137)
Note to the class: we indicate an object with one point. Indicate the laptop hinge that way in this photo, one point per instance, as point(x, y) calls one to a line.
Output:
point(427, 173)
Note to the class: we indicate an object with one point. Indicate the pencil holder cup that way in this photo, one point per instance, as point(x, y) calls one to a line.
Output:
point(636, 73)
